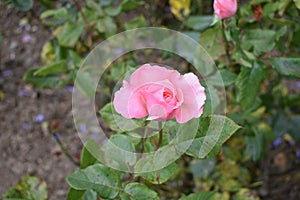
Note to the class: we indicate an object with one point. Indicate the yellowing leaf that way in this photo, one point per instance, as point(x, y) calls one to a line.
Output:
point(48, 54)
point(180, 8)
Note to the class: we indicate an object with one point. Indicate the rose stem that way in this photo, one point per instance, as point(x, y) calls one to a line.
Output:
point(143, 140)
point(63, 148)
point(160, 136)
point(226, 43)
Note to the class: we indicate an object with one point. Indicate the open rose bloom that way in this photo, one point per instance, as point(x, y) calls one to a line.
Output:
point(161, 94)
point(225, 8)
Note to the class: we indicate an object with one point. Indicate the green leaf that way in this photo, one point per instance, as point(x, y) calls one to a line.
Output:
point(23, 5)
point(113, 11)
point(138, 191)
point(199, 23)
point(90, 195)
point(130, 4)
point(90, 154)
point(202, 168)
point(259, 40)
point(29, 188)
point(81, 195)
point(248, 84)
point(137, 22)
point(214, 131)
point(287, 66)
point(106, 25)
point(228, 78)
point(294, 127)
point(297, 3)
point(212, 42)
point(53, 69)
point(69, 34)
point(255, 146)
point(192, 34)
point(75, 194)
point(57, 14)
point(199, 196)
point(120, 151)
point(115, 121)
point(160, 176)
point(44, 82)
point(97, 177)
point(84, 82)
point(91, 15)
point(212, 101)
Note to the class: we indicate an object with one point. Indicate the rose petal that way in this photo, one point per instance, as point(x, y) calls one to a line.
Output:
point(148, 73)
point(194, 97)
point(129, 104)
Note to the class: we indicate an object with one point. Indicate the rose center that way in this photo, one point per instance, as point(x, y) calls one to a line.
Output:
point(168, 95)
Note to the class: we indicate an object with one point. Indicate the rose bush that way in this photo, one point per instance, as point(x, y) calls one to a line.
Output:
point(225, 8)
point(161, 94)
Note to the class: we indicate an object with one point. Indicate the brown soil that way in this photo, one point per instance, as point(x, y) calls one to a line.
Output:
point(25, 146)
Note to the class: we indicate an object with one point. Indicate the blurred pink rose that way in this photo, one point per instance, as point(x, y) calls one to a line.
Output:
point(161, 94)
point(225, 8)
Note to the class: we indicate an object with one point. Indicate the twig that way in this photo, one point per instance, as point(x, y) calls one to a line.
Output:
point(64, 149)
point(143, 140)
point(229, 63)
point(160, 136)
point(89, 27)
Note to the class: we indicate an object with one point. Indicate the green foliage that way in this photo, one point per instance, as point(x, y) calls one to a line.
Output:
point(30, 188)
point(104, 181)
point(23, 5)
point(137, 22)
point(69, 34)
point(199, 23)
point(90, 154)
point(160, 176)
point(287, 66)
point(212, 41)
point(213, 132)
point(138, 191)
point(199, 196)
point(248, 84)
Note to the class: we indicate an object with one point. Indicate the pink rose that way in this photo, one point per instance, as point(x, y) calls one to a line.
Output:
point(161, 94)
point(225, 8)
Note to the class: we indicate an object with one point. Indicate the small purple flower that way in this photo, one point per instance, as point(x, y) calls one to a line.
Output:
point(298, 153)
point(23, 93)
point(6, 73)
point(26, 38)
point(82, 128)
point(70, 88)
point(27, 27)
point(25, 126)
point(277, 142)
point(298, 84)
point(39, 118)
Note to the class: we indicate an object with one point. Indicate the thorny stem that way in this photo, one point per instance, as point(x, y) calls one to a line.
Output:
point(160, 136)
point(229, 63)
point(64, 149)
